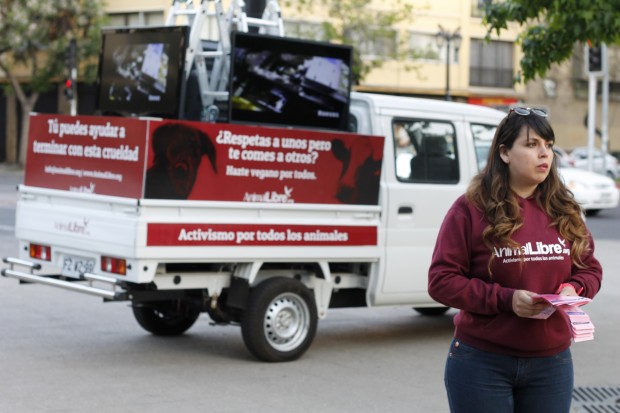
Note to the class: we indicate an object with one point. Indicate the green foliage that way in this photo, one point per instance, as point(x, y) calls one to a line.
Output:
point(552, 27)
point(356, 22)
point(35, 35)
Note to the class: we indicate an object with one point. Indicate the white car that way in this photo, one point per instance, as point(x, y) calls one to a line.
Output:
point(564, 158)
point(593, 191)
point(580, 160)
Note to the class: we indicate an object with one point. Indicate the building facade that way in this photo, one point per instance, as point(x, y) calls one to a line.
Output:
point(449, 58)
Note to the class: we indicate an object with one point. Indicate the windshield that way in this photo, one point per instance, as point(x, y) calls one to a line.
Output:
point(483, 136)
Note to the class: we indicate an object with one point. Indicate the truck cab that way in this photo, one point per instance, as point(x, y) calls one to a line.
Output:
point(429, 159)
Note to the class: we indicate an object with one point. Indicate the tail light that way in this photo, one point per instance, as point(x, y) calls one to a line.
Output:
point(40, 252)
point(114, 265)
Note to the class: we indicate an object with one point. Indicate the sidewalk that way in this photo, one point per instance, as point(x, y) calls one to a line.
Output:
point(10, 177)
point(6, 168)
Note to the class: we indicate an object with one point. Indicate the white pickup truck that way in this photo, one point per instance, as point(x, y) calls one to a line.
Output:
point(263, 227)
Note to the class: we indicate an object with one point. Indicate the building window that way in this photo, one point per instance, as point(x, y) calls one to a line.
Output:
point(153, 18)
point(423, 46)
point(491, 64)
point(370, 42)
point(374, 43)
point(304, 30)
point(477, 7)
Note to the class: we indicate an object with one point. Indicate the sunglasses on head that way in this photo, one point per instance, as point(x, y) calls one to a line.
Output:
point(526, 111)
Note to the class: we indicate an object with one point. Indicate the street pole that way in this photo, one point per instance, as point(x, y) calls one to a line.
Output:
point(73, 77)
point(449, 38)
point(591, 117)
point(605, 108)
point(595, 62)
point(448, 97)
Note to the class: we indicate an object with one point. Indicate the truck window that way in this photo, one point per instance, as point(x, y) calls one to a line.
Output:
point(483, 136)
point(352, 123)
point(425, 151)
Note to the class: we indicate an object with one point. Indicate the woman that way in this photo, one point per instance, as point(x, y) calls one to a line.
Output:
point(516, 233)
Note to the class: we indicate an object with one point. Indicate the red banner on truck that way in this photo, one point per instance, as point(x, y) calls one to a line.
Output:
point(164, 159)
point(91, 154)
point(161, 234)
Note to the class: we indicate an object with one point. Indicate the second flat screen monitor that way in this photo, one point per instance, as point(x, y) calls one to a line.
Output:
point(284, 81)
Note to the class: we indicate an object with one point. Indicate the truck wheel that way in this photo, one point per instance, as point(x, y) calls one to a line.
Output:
point(280, 320)
point(432, 311)
point(165, 318)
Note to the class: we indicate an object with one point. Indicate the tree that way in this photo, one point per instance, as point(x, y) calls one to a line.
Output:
point(553, 27)
point(34, 39)
point(356, 22)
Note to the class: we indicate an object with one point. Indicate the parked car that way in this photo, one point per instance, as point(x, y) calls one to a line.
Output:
point(580, 157)
point(564, 158)
point(593, 191)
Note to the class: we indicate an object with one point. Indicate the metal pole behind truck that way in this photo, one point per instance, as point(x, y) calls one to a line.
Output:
point(605, 110)
point(595, 65)
point(71, 82)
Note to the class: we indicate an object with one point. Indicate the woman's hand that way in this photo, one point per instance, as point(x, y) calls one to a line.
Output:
point(567, 289)
point(525, 305)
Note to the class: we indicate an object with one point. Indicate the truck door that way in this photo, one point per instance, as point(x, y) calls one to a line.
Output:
point(427, 178)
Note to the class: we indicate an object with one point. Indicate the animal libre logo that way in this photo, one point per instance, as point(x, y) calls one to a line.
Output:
point(75, 227)
point(90, 189)
point(534, 251)
point(271, 196)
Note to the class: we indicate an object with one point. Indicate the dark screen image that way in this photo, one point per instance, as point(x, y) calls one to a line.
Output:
point(291, 82)
point(141, 71)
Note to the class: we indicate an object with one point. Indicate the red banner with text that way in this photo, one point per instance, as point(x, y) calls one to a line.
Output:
point(160, 234)
point(89, 154)
point(224, 162)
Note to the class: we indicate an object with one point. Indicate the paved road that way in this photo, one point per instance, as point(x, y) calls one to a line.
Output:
point(65, 352)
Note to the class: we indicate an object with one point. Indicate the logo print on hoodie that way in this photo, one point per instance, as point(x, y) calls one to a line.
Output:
point(533, 251)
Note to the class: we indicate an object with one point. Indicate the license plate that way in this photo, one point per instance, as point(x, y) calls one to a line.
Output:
point(76, 266)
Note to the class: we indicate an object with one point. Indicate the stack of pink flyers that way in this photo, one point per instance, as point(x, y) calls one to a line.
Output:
point(580, 323)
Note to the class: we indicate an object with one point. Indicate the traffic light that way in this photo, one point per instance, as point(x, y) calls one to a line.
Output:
point(69, 89)
point(595, 59)
point(70, 85)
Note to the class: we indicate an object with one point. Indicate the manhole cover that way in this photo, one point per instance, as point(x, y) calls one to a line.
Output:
point(596, 400)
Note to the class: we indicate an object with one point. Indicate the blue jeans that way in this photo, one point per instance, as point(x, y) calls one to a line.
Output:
point(483, 382)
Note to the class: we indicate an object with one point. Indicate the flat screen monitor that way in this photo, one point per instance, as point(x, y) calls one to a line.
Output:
point(141, 71)
point(285, 81)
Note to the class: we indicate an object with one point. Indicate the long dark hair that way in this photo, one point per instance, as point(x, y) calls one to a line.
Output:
point(490, 192)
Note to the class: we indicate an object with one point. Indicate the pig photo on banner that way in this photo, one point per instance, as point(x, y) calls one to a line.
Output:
point(178, 150)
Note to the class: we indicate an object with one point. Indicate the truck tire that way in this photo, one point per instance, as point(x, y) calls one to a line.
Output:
point(165, 318)
point(280, 321)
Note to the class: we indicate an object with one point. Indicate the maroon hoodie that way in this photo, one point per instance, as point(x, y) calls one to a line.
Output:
point(458, 277)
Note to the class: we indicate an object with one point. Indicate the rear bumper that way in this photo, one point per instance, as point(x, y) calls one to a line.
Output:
point(91, 284)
